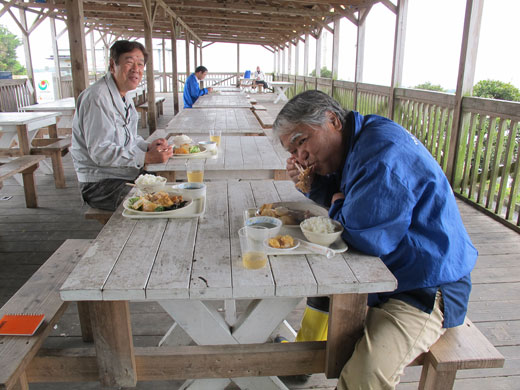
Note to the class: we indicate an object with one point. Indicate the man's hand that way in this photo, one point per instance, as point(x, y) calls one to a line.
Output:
point(210, 89)
point(336, 196)
point(158, 152)
point(292, 171)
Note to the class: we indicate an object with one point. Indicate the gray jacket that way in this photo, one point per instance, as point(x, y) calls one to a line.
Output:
point(105, 143)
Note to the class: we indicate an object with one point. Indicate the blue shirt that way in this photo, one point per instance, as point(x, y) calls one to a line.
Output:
point(192, 91)
point(399, 206)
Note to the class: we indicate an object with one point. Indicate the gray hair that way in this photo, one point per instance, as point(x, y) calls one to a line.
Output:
point(307, 108)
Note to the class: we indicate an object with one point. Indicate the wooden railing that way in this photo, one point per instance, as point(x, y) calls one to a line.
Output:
point(427, 115)
point(487, 167)
point(15, 94)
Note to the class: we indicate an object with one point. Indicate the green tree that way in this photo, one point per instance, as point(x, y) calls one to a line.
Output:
point(430, 87)
point(8, 44)
point(323, 73)
point(494, 89)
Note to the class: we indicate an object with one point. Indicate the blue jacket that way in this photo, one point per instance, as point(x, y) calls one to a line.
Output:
point(399, 206)
point(192, 91)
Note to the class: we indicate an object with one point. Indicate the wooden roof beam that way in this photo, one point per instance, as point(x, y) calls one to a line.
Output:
point(168, 10)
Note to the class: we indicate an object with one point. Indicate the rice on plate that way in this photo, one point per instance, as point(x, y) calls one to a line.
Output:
point(319, 225)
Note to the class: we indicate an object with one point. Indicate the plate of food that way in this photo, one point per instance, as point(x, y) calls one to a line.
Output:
point(291, 213)
point(157, 203)
point(188, 149)
point(282, 242)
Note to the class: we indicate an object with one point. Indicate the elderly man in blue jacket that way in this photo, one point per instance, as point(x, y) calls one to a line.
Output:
point(192, 90)
point(394, 202)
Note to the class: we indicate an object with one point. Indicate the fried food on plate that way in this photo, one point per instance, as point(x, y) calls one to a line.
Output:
point(281, 242)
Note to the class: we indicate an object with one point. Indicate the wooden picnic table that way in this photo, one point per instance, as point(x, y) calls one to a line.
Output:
point(279, 88)
point(22, 127)
point(231, 121)
point(239, 157)
point(18, 132)
point(66, 107)
point(216, 100)
point(187, 264)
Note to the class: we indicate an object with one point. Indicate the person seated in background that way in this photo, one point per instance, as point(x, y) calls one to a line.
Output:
point(259, 79)
point(106, 150)
point(394, 202)
point(192, 90)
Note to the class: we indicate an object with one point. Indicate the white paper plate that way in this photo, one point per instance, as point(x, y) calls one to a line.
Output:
point(202, 150)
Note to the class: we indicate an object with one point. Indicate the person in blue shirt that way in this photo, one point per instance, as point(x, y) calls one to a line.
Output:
point(394, 202)
point(192, 90)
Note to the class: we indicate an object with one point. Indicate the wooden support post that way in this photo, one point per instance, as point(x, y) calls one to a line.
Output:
point(319, 45)
point(397, 63)
point(165, 78)
point(289, 59)
point(346, 323)
point(150, 80)
point(78, 53)
point(306, 56)
point(238, 64)
point(187, 38)
point(275, 56)
point(115, 352)
point(360, 56)
point(27, 52)
point(93, 54)
point(297, 58)
point(335, 48)
point(175, 83)
point(465, 78)
point(54, 40)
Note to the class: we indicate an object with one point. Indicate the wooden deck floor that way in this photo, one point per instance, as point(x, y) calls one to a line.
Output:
point(29, 236)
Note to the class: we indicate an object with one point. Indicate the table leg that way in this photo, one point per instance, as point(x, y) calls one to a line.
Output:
point(346, 323)
point(206, 326)
point(279, 94)
point(113, 341)
point(23, 139)
point(53, 131)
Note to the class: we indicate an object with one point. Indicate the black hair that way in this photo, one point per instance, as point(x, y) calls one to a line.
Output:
point(124, 46)
point(201, 68)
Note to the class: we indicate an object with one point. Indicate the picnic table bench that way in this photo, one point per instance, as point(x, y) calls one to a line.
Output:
point(265, 119)
point(102, 216)
point(40, 294)
point(143, 109)
point(26, 165)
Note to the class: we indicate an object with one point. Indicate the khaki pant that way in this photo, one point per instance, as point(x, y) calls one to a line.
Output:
point(395, 334)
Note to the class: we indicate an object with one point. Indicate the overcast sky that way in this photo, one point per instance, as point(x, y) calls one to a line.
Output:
point(433, 38)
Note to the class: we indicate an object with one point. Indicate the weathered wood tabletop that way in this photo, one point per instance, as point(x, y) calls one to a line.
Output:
point(239, 157)
point(23, 126)
point(231, 121)
point(65, 107)
point(185, 263)
point(216, 100)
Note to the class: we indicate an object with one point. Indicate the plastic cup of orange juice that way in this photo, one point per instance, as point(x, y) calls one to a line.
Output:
point(195, 170)
point(253, 251)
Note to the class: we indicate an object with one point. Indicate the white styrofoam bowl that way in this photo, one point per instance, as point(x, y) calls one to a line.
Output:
point(324, 239)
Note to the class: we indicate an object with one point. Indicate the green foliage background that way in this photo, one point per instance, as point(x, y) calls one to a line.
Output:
point(495, 89)
point(8, 44)
point(430, 87)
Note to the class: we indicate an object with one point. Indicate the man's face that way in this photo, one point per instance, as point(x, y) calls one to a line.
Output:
point(201, 75)
point(129, 71)
point(258, 69)
point(318, 146)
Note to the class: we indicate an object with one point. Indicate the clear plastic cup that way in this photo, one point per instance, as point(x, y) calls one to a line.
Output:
point(254, 255)
point(195, 170)
point(215, 136)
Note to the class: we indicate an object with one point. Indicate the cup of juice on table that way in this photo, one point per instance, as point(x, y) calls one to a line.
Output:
point(214, 135)
point(195, 170)
point(254, 254)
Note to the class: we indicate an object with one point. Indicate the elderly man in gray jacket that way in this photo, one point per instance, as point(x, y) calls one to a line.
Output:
point(106, 149)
